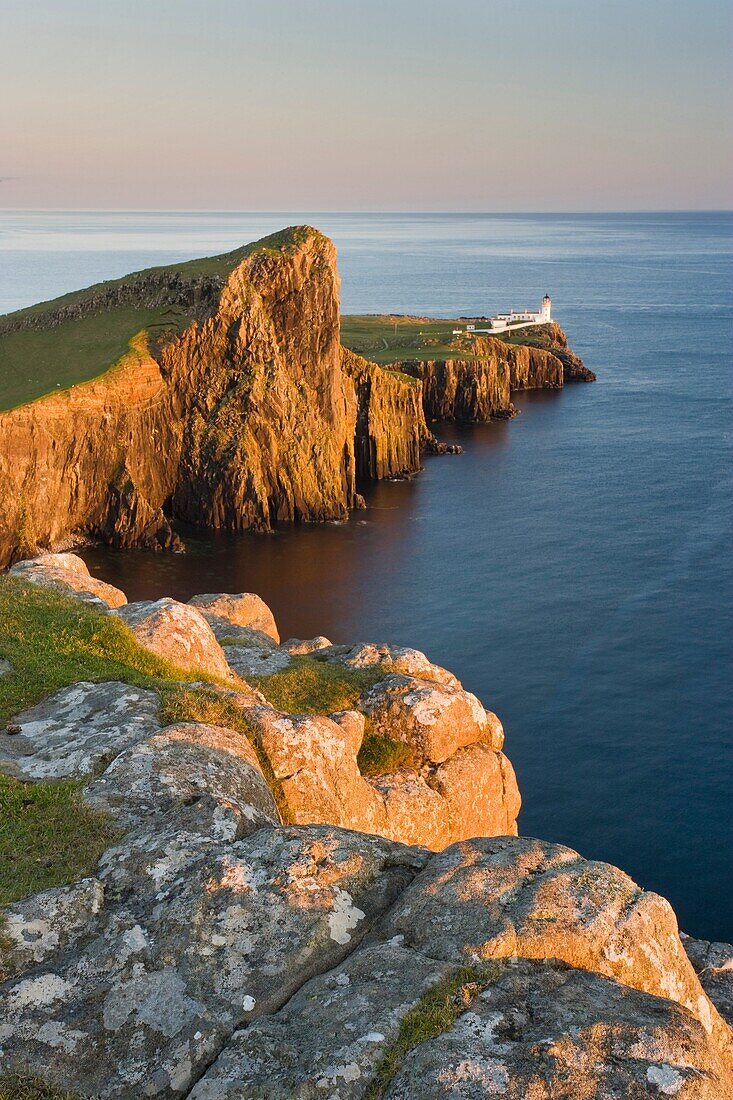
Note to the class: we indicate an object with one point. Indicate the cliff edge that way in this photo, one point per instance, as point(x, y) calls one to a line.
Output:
point(247, 921)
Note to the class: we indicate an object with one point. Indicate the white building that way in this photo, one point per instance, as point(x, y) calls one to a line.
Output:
point(514, 319)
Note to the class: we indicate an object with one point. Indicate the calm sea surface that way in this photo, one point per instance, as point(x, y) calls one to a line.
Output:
point(573, 567)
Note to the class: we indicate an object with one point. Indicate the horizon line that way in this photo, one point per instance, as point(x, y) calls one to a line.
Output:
point(379, 213)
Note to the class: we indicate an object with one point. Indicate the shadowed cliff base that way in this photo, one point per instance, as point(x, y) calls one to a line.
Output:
point(217, 392)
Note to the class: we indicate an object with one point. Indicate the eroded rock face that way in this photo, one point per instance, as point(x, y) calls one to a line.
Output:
point(78, 730)
point(178, 633)
point(542, 1030)
point(243, 609)
point(68, 574)
point(713, 963)
point(495, 897)
point(314, 760)
point(393, 658)
point(251, 415)
point(434, 719)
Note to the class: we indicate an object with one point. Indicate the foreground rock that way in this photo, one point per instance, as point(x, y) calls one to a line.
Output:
point(544, 1031)
point(242, 964)
point(177, 633)
point(218, 954)
point(77, 730)
point(68, 574)
point(243, 609)
point(494, 897)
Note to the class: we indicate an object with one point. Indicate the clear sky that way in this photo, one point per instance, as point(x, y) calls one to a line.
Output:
point(366, 104)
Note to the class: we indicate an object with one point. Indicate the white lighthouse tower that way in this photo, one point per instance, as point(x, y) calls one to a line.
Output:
point(546, 308)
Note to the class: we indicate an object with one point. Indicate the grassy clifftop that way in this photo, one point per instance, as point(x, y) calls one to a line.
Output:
point(72, 339)
point(393, 338)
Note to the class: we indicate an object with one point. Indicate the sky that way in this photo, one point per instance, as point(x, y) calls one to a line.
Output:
point(391, 105)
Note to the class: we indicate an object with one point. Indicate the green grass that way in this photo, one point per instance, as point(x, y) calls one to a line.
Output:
point(47, 836)
point(37, 361)
point(379, 755)
point(385, 339)
point(34, 362)
point(391, 339)
point(436, 1013)
point(26, 1086)
point(52, 641)
point(308, 686)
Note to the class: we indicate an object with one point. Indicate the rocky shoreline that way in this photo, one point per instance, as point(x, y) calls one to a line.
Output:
point(275, 918)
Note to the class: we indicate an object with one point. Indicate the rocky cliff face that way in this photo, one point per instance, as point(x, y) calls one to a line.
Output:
point(215, 952)
point(479, 389)
point(552, 338)
point(390, 425)
point(250, 415)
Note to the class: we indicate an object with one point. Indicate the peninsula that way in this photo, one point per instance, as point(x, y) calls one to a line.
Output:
point(230, 393)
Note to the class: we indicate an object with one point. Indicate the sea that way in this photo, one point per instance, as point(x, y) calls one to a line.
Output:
point(573, 566)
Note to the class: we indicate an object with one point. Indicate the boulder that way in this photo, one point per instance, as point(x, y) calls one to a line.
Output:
point(78, 730)
point(5, 667)
point(313, 759)
point(298, 647)
point(543, 1031)
point(256, 660)
point(196, 937)
point(331, 1036)
point(243, 609)
point(394, 658)
point(68, 574)
point(495, 897)
point(187, 764)
point(434, 719)
point(177, 633)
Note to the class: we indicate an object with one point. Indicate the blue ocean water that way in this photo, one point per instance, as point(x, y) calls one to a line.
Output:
point(573, 566)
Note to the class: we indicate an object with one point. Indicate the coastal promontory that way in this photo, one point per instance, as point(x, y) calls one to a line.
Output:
point(230, 393)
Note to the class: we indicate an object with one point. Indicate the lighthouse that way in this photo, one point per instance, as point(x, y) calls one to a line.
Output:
point(546, 308)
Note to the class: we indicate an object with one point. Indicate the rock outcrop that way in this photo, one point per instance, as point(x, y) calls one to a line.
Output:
point(480, 388)
point(68, 574)
point(251, 414)
point(217, 953)
point(178, 633)
point(552, 338)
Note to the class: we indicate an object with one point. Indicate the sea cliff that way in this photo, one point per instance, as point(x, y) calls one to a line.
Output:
point(247, 412)
point(232, 402)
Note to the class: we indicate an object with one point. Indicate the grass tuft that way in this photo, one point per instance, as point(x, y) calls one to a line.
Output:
point(308, 686)
point(379, 755)
point(26, 1086)
point(53, 640)
point(432, 1016)
point(48, 836)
